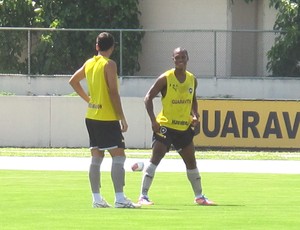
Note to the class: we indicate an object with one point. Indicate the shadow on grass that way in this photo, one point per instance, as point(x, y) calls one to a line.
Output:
point(217, 205)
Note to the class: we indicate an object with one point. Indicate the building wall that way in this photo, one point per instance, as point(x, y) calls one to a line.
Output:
point(239, 54)
point(177, 14)
point(180, 15)
point(266, 20)
point(249, 49)
point(244, 45)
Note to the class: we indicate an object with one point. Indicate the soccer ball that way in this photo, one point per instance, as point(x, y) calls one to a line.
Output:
point(138, 166)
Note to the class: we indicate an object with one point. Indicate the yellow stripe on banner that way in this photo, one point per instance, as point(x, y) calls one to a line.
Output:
point(249, 123)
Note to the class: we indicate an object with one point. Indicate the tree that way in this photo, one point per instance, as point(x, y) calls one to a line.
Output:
point(62, 52)
point(12, 43)
point(284, 56)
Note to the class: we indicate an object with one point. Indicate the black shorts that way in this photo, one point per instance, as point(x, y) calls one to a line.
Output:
point(179, 139)
point(105, 134)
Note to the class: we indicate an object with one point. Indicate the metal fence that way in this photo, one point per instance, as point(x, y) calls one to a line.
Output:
point(212, 53)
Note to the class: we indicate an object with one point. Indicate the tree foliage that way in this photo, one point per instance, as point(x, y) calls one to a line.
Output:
point(284, 56)
point(12, 43)
point(62, 52)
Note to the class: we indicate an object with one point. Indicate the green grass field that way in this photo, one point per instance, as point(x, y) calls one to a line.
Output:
point(61, 200)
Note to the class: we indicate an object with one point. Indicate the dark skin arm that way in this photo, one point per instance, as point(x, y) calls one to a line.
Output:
point(195, 113)
point(159, 86)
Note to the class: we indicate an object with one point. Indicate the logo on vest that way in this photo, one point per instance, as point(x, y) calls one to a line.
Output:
point(175, 122)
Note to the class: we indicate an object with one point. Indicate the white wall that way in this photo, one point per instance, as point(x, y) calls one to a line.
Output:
point(30, 121)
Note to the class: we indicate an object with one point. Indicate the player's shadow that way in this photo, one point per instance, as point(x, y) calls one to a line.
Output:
point(157, 207)
point(230, 205)
point(219, 205)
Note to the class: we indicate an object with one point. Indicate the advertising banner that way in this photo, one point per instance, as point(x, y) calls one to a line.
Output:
point(249, 124)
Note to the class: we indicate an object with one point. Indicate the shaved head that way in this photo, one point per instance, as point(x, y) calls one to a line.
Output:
point(179, 50)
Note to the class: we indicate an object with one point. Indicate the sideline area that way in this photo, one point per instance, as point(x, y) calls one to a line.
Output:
point(166, 165)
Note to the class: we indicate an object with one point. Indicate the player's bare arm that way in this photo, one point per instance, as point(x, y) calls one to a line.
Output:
point(111, 80)
point(75, 83)
point(195, 113)
point(158, 87)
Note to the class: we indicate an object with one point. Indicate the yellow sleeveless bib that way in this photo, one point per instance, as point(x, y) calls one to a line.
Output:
point(100, 106)
point(177, 103)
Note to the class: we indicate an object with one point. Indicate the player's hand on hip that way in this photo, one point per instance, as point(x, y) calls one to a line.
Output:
point(195, 121)
point(124, 125)
point(155, 127)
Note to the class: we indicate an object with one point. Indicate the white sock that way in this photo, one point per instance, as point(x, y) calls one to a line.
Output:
point(120, 197)
point(195, 180)
point(118, 173)
point(147, 179)
point(97, 198)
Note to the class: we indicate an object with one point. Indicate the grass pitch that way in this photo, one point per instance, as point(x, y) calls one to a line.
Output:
point(62, 200)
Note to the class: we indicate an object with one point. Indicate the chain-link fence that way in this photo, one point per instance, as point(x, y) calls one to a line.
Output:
point(212, 53)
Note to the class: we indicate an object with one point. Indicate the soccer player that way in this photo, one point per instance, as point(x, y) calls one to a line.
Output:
point(173, 125)
point(105, 120)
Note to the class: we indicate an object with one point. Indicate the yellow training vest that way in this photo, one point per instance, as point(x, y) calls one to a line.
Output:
point(177, 103)
point(100, 106)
